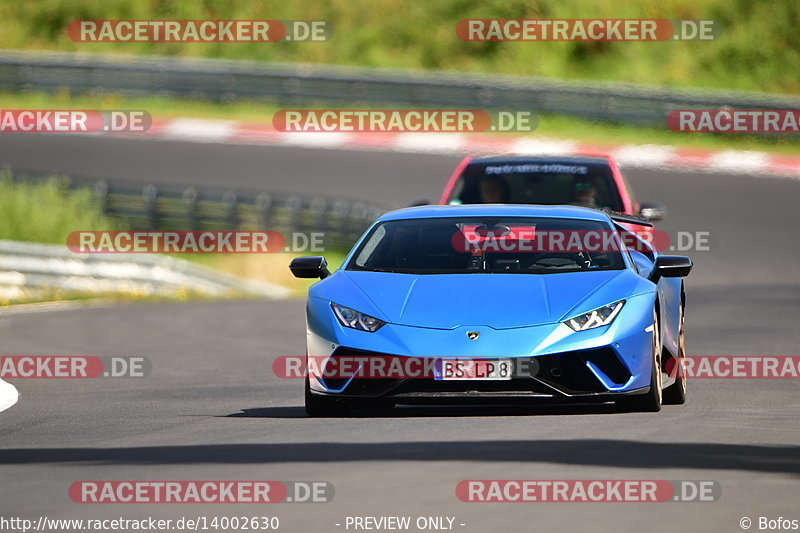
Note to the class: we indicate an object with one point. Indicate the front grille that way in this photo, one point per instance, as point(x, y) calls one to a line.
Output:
point(568, 373)
point(561, 374)
point(514, 387)
point(370, 386)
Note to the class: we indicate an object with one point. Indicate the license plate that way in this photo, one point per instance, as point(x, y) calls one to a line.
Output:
point(466, 369)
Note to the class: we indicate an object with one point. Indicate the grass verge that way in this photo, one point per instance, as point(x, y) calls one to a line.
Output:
point(48, 210)
point(756, 48)
point(270, 268)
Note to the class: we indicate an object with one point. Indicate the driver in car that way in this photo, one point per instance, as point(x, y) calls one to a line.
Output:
point(494, 190)
point(583, 193)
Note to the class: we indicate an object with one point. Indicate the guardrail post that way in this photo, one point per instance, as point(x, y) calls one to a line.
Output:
point(232, 203)
point(150, 194)
point(101, 191)
point(264, 206)
point(294, 205)
point(341, 211)
point(355, 220)
point(319, 207)
point(190, 197)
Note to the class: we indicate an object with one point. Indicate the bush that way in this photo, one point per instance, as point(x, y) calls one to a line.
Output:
point(47, 210)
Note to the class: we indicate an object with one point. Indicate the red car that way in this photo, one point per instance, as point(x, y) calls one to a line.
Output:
point(589, 181)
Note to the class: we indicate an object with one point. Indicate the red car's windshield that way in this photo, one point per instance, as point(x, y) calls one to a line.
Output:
point(588, 185)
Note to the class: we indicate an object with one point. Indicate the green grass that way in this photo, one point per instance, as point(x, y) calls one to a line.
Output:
point(271, 268)
point(615, 134)
point(757, 49)
point(551, 126)
point(47, 211)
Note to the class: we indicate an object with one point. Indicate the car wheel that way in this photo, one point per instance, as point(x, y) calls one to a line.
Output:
point(323, 406)
point(650, 402)
point(675, 394)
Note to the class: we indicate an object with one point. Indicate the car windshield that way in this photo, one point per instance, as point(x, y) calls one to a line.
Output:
point(588, 185)
point(531, 245)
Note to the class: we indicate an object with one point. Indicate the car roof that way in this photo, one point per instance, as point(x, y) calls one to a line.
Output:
point(493, 210)
point(540, 159)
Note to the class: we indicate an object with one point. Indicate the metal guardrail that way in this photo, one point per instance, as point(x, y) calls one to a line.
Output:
point(150, 207)
point(26, 266)
point(35, 266)
point(164, 207)
point(303, 84)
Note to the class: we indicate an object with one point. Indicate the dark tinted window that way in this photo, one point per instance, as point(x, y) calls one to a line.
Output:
point(590, 185)
point(483, 245)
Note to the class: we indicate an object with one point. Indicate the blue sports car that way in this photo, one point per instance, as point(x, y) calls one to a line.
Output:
point(496, 303)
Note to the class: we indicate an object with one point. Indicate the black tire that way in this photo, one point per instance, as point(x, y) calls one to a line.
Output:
point(318, 406)
point(675, 394)
point(652, 400)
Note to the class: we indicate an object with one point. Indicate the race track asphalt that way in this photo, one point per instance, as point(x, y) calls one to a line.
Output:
point(212, 409)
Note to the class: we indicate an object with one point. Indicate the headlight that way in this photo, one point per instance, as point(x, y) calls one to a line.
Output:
point(353, 319)
point(594, 319)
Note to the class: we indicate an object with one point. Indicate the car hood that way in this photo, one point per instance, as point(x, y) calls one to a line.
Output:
point(500, 301)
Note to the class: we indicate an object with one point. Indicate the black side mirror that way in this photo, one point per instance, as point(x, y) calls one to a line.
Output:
point(671, 266)
point(652, 212)
point(310, 267)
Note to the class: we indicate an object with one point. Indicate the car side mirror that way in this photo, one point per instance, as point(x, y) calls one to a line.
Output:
point(309, 267)
point(652, 212)
point(671, 266)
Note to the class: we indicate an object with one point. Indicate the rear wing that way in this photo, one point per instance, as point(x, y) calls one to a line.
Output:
point(627, 219)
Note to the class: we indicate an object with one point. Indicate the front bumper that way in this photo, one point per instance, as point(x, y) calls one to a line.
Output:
point(563, 376)
point(550, 361)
